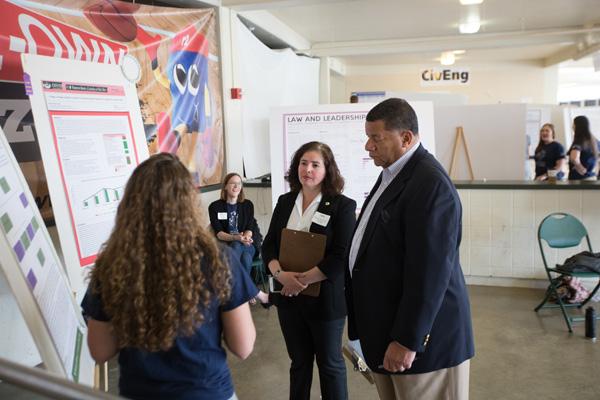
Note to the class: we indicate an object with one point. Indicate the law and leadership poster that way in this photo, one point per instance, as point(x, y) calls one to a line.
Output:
point(171, 54)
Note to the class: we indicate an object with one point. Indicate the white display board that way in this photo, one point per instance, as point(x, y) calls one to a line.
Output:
point(569, 114)
point(36, 277)
point(91, 138)
point(342, 127)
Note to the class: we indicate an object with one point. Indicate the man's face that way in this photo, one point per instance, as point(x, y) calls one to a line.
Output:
point(384, 147)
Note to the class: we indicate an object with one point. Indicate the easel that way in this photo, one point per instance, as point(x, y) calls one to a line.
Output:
point(460, 137)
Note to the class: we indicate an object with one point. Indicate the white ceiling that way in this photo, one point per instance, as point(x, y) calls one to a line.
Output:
point(363, 32)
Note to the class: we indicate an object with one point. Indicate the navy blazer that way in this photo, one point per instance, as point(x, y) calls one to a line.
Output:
point(407, 284)
point(330, 304)
point(246, 220)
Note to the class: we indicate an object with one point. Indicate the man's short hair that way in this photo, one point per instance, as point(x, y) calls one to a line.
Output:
point(396, 114)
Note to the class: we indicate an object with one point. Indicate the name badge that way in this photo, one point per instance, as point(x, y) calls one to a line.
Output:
point(222, 216)
point(321, 219)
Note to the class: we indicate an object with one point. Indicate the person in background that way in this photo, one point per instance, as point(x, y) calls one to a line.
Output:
point(583, 153)
point(162, 293)
point(313, 326)
point(353, 98)
point(232, 220)
point(549, 154)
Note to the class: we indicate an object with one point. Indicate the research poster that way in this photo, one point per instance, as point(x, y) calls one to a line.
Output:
point(35, 275)
point(96, 152)
point(342, 127)
point(91, 139)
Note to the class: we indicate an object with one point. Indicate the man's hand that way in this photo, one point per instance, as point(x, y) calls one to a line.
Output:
point(398, 358)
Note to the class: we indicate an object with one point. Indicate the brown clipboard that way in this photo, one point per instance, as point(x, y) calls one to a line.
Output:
point(300, 251)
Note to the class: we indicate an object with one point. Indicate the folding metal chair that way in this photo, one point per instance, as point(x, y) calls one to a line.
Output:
point(561, 231)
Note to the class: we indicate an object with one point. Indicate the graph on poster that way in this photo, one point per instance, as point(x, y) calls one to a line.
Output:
point(103, 197)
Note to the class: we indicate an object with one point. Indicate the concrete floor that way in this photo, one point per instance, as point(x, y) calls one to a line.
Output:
point(519, 355)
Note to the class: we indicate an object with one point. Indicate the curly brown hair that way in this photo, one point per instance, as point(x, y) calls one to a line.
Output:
point(333, 183)
point(149, 273)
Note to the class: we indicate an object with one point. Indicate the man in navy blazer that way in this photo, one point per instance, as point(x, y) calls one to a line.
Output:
point(407, 299)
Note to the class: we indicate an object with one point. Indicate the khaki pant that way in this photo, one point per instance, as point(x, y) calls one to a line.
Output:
point(444, 384)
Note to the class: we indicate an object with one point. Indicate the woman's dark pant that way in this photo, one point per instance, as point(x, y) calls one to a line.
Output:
point(243, 253)
point(305, 339)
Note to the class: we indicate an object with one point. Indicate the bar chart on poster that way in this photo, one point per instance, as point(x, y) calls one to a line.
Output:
point(91, 139)
point(37, 279)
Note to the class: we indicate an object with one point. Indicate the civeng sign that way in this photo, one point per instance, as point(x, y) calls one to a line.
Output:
point(445, 77)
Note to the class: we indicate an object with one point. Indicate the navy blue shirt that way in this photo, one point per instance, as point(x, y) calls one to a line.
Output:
point(587, 158)
point(196, 366)
point(546, 158)
point(232, 218)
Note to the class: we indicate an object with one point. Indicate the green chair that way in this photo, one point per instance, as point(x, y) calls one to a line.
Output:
point(561, 231)
point(259, 274)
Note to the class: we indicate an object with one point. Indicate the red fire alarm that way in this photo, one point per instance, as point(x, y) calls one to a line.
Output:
point(236, 93)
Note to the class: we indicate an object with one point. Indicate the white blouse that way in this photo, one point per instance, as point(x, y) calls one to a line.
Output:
point(301, 221)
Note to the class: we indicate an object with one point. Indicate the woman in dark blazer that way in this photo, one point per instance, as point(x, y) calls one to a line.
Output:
point(313, 326)
point(232, 220)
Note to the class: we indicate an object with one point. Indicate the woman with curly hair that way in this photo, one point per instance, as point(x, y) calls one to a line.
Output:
point(163, 293)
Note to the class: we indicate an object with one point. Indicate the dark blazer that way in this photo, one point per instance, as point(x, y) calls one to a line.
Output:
point(246, 220)
point(407, 284)
point(330, 304)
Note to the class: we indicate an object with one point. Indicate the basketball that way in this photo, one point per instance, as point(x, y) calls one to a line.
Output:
point(114, 19)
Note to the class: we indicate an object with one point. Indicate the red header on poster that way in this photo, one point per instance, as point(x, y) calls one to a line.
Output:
point(24, 31)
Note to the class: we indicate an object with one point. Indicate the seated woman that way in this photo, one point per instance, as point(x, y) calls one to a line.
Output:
point(162, 293)
point(583, 153)
point(549, 154)
point(232, 220)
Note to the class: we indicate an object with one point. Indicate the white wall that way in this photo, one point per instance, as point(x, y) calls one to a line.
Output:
point(268, 78)
point(490, 83)
point(495, 135)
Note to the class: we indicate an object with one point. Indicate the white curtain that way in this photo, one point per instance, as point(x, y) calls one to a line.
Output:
point(268, 78)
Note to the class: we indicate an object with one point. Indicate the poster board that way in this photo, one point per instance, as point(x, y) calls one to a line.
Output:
point(36, 277)
point(91, 137)
point(342, 127)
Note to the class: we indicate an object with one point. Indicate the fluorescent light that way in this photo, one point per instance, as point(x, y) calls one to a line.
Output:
point(472, 25)
point(459, 52)
point(447, 58)
point(470, 2)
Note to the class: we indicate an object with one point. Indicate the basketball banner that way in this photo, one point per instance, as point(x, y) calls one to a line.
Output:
point(171, 54)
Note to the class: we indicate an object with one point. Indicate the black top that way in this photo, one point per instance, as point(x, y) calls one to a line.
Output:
point(547, 156)
point(330, 304)
point(245, 219)
point(587, 158)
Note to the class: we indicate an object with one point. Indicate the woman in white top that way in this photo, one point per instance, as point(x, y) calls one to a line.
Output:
point(312, 326)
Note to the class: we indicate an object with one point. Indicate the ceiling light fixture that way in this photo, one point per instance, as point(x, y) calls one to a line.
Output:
point(447, 58)
point(472, 25)
point(470, 2)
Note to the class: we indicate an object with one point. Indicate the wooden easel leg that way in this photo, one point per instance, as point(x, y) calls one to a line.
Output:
point(101, 377)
